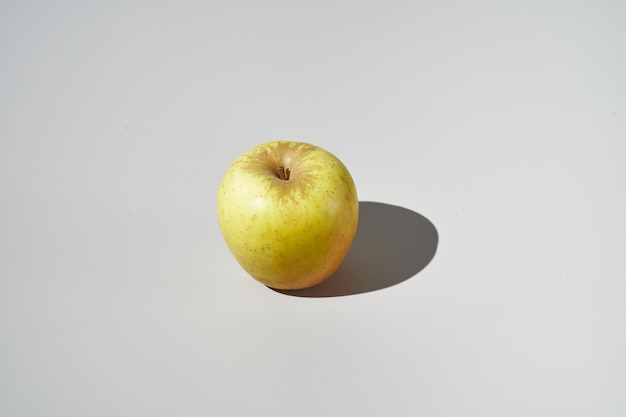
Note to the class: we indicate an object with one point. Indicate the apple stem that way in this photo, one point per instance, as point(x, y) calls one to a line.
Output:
point(283, 173)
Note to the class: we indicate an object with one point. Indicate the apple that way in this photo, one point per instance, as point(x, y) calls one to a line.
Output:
point(288, 212)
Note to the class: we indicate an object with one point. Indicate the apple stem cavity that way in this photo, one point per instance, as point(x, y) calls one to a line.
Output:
point(283, 173)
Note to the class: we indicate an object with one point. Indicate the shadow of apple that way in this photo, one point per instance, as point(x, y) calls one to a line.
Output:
point(391, 245)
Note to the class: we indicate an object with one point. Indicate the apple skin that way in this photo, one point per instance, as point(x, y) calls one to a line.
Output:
point(288, 233)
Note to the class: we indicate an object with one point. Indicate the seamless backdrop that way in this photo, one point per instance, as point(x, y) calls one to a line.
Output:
point(486, 140)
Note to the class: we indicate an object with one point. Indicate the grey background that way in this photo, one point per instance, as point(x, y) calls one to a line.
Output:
point(486, 140)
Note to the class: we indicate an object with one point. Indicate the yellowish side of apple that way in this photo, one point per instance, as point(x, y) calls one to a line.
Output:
point(288, 233)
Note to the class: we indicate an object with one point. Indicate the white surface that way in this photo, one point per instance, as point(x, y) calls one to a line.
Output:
point(502, 123)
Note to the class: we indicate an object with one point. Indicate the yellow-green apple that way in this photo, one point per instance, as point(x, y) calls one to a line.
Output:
point(288, 212)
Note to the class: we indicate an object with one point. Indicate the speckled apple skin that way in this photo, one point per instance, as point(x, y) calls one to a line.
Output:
point(288, 234)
